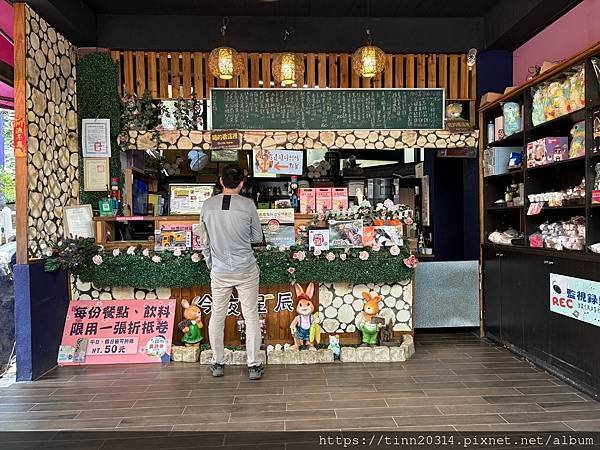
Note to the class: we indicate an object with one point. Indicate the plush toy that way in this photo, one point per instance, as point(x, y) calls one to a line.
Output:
point(454, 111)
point(577, 147)
point(367, 321)
point(334, 346)
point(555, 104)
point(511, 112)
point(537, 114)
point(305, 328)
point(192, 325)
point(576, 94)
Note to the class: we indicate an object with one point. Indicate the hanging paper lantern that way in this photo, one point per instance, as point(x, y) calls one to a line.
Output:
point(288, 68)
point(368, 61)
point(224, 63)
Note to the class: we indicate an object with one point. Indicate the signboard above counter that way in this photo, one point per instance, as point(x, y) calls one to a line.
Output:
point(327, 109)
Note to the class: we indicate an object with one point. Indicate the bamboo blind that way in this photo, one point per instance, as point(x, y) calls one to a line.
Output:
point(181, 74)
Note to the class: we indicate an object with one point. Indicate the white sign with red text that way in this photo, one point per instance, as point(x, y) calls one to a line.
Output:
point(576, 298)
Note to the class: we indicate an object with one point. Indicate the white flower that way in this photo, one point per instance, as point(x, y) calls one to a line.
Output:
point(376, 247)
point(269, 247)
point(343, 257)
point(116, 252)
point(131, 250)
point(156, 259)
point(365, 204)
point(317, 252)
point(97, 259)
point(195, 257)
point(177, 252)
point(282, 248)
point(363, 255)
point(300, 256)
point(388, 203)
point(378, 206)
point(146, 252)
point(394, 250)
point(330, 256)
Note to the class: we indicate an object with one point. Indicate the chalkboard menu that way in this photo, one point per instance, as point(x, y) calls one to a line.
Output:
point(327, 109)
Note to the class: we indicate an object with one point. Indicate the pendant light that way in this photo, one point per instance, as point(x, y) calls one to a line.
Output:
point(288, 68)
point(369, 60)
point(225, 62)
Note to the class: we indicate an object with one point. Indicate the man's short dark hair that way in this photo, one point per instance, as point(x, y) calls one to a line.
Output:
point(232, 176)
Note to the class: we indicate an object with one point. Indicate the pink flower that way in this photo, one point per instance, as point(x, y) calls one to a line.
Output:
point(146, 252)
point(330, 256)
point(97, 259)
point(376, 247)
point(291, 270)
point(300, 256)
point(363, 256)
point(394, 250)
point(343, 257)
point(388, 203)
point(159, 127)
point(177, 252)
point(408, 221)
point(116, 252)
point(195, 257)
point(411, 262)
point(317, 252)
point(131, 250)
point(156, 259)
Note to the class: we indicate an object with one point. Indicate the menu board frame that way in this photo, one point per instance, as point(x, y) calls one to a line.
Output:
point(188, 212)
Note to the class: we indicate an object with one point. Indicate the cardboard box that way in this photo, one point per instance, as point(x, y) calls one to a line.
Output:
point(306, 197)
point(339, 199)
point(547, 150)
point(510, 89)
point(596, 197)
point(495, 159)
point(489, 97)
point(546, 66)
point(323, 199)
point(498, 128)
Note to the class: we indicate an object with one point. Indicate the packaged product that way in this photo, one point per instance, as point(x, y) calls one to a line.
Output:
point(511, 112)
point(577, 147)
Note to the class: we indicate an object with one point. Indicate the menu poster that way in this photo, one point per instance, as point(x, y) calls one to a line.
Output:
point(117, 331)
point(278, 226)
point(95, 138)
point(188, 198)
point(78, 221)
point(318, 239)
point(269, 163)
point(345, 233)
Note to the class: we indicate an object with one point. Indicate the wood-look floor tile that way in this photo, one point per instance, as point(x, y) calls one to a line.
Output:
point(334, 404)
point(548, 416)
point(537, 398)
point(510, 383)
point(83, 406)
point(436, 401)
point(280, 398)
point(459, 419)
point(387, 412)
point(179, 419)
point(516, 427)
point(490, 409)
point(237, 408)
point(583, 425)
point(547, 390)
point(260, 416)
point(139, 412)
point(473, 391)
point(366, 395)
point(35, 425)
point(570, 406)
point(339, 424)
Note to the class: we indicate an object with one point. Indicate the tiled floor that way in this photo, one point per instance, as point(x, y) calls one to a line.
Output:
point(455, 382)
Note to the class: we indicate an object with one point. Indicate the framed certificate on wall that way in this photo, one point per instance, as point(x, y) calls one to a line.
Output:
point(95, 138)
point(78, 221)
point(96, 176)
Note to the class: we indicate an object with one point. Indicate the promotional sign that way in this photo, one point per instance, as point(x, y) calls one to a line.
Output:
point(575, 297)
point(20, 137)
point(188, 198)
point(269, 163)
point(117, 331)
point(278, 226)
point(225, 139)
point(345, 233)
point(318, 239)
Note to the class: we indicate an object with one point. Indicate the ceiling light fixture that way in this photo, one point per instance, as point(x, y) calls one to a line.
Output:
point(225, 62)
point(288, 69)
point(369, 60)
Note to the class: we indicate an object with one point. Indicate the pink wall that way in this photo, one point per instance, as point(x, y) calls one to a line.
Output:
point(6, 25)
point(570, 34)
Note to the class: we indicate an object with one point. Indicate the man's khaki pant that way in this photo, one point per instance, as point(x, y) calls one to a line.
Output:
point(222, 285)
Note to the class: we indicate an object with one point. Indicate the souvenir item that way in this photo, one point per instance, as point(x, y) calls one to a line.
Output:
point(367, 321)
point(596, 132)
point(305, 323)
point(564, 235)
point(345, 233)
point(511, 111)
point(334, 346)
point(537, 114)
point(556, 104)
point(192, 325)
point(577, 147)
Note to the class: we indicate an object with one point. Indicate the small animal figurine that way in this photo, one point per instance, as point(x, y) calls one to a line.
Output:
point(303, 324)
point(192, 325)
point(367, 321)
point(334, 346)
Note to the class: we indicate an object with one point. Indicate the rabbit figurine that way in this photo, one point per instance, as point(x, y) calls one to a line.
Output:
point(305, 328)
point(192, 325)
point(367, 321)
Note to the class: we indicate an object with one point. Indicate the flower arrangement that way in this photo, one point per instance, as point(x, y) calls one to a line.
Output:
point(387, 210)
point(186, 113)
point(138, 113)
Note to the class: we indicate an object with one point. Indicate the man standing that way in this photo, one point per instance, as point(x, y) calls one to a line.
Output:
point(232, 225)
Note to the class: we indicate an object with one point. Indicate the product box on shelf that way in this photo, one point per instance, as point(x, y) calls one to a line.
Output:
point(323, 199)
point(339, 198)
point(498, 128)
point(596, 197)
point(547, 150)
point(496, 159)
point(307, 200)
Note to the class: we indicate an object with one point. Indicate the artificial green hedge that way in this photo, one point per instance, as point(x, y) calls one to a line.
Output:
point(180, 271)
point(98, 98)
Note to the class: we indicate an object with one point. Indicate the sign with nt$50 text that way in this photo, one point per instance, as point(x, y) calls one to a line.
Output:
point(576, 298)
point(117, 331)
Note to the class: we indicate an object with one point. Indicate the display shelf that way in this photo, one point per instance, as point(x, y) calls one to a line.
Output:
point(145, 218)
point(507, 141)
point(561, 208)
point(557, 164)
point(510, 173)
point(582, 255)
point(569, 118)
point(504, 208)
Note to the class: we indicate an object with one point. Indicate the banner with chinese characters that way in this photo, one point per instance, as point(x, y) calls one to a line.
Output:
point(269, 163)
point(20, 137)
point(575, 297)
point(282, 301)
point(117, 331)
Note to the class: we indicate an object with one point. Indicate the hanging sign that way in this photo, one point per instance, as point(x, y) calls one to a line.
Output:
point(225, 139)
point(269, 163)
point(576, 298)
point(117, 331)
point(20, 137)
